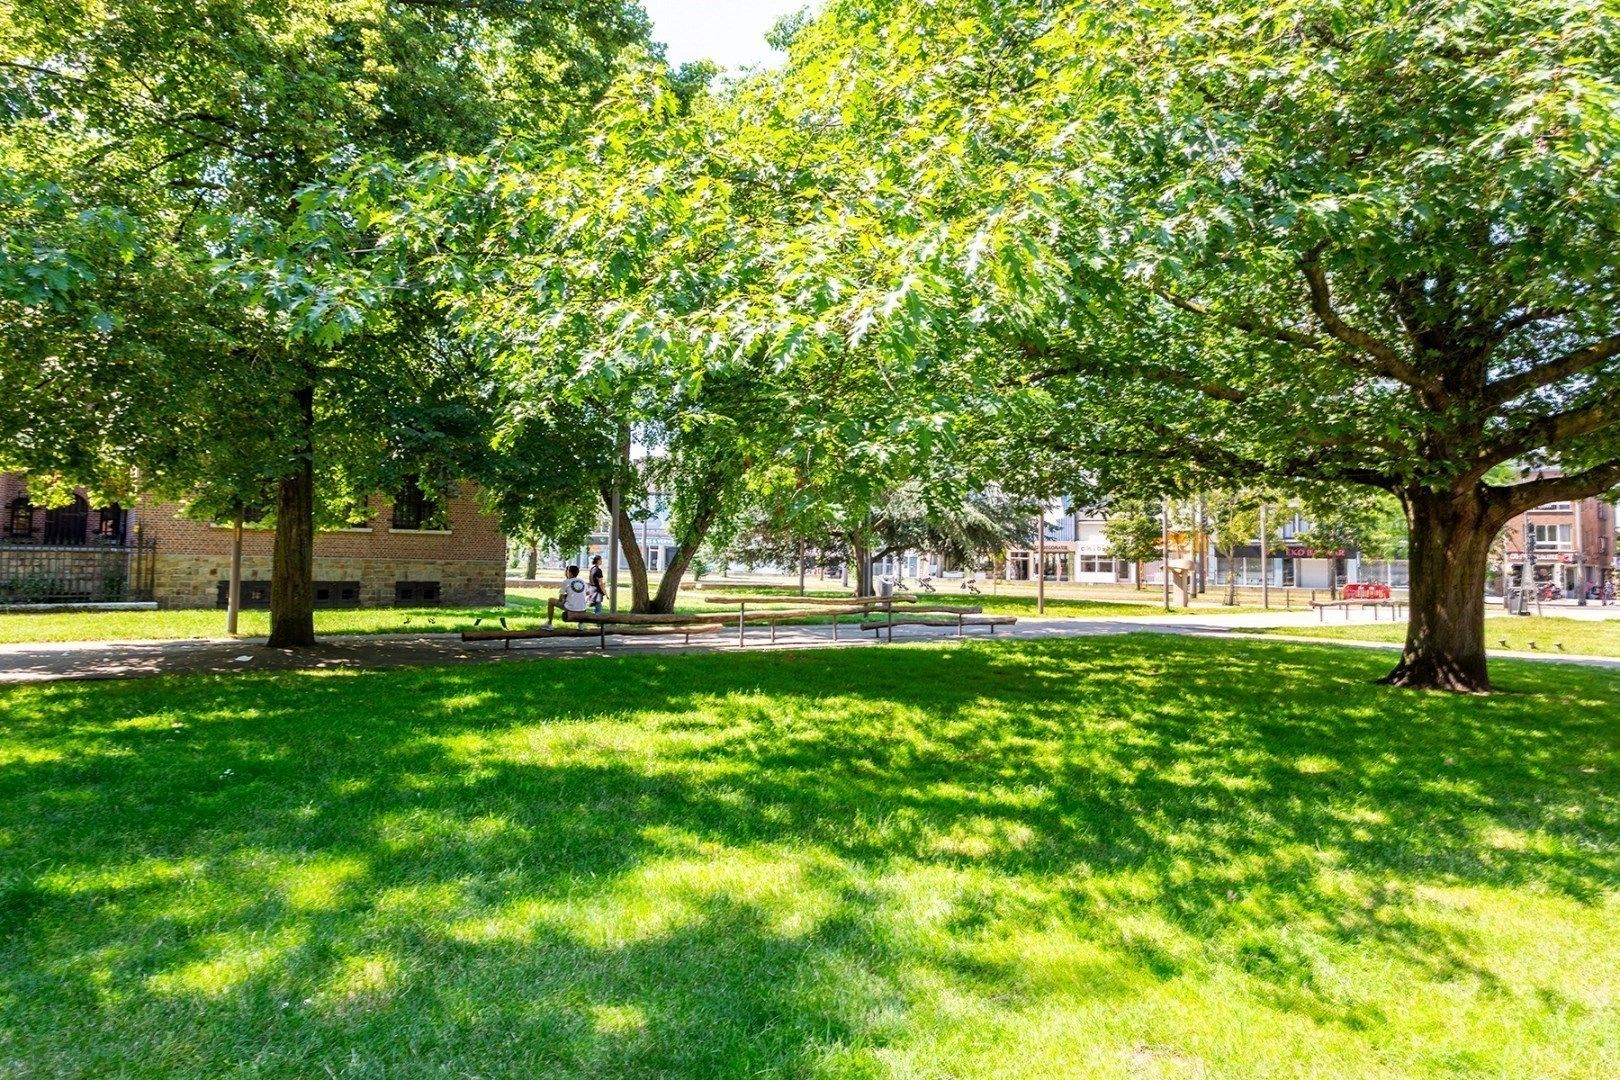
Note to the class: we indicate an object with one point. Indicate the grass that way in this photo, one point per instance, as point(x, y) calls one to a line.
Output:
point(33, 627)
point(1066, 607)
point(1580, 637)
point(36, 627)
point(1130, 857)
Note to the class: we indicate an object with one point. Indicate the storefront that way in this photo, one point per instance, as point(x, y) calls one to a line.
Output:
point(1295, 566)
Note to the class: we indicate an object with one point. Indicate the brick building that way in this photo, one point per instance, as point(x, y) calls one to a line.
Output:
point(405, 549)
point(1575, 546)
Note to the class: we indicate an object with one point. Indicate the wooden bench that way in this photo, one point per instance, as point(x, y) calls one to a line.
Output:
point(1322, 607)
point(600, 627)
point(960, 624)
point(809, 607)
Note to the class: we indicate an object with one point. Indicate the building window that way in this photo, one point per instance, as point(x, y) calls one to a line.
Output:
point(1551, 536)
point(337, 594)
point(415, 509)
point(20, 519)
point(111, 524)
point(255, 594)
point(416, 592)
point(356, 513)
point(66, 524)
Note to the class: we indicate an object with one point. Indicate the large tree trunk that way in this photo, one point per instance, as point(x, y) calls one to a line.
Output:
point(1451, 535)
point(292, 568)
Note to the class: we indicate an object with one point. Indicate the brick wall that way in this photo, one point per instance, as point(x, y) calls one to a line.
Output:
point(468, 559)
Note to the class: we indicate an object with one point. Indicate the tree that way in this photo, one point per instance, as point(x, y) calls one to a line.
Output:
point(1367, 243)
point(1135, 533)
point(189, 161)
point(1235, 515)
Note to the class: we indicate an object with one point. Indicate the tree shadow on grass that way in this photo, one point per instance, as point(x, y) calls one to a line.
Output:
point(673, 870)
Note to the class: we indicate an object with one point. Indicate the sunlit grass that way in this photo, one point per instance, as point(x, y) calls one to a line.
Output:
point(210, 623)
point(1135, 856)
point(1532, 633)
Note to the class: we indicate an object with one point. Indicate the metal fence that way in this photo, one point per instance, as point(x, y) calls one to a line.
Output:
point(68, 574)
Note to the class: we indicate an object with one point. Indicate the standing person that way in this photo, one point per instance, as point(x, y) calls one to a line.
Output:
point(574, 595)
point(598, 584)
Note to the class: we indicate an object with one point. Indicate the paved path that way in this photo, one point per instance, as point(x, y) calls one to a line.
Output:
point(130, 659)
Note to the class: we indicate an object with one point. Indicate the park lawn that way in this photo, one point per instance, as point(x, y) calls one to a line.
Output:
point(1580, 637)
point(529, 605)
point(210, 622)
point(1134, 856)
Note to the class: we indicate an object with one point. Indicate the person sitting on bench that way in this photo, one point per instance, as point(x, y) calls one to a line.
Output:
point(575, 596)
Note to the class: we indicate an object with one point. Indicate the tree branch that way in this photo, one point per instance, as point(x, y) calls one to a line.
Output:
point(1078, 365)
point(1525, 318)
point(1571, 363)
point(1553, 430)
point(1258, 328)
point(1178, 448)
point(1582, 485)
point(1386, 361)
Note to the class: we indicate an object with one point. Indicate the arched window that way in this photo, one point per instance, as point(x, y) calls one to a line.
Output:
point(111, 524)
point(20, 519)
point(66, 524)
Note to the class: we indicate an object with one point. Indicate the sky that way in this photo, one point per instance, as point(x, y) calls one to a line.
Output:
point(729, 32)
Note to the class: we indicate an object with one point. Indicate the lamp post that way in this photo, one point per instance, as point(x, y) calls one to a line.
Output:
point(1580, 556)
point(615, 507)
point(1040, 563)
point(233, 601)
point(1528, 578)
point(1164, 548)
point(1265, 561)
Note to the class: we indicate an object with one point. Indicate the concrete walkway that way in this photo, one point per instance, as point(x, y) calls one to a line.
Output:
point(131, 659)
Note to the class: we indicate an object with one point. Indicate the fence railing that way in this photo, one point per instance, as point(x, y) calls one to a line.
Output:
point(59, 574)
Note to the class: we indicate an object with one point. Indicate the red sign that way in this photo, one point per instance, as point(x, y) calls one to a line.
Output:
point(1312, 553)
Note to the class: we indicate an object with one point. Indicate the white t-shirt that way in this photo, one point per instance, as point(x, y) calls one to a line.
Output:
point(573, 594)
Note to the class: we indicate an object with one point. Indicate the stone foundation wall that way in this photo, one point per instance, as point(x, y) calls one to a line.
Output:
point(192, 581)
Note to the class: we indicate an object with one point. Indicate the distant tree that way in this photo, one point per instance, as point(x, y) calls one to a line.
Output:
point(1235, 522)
point(1135, 533)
